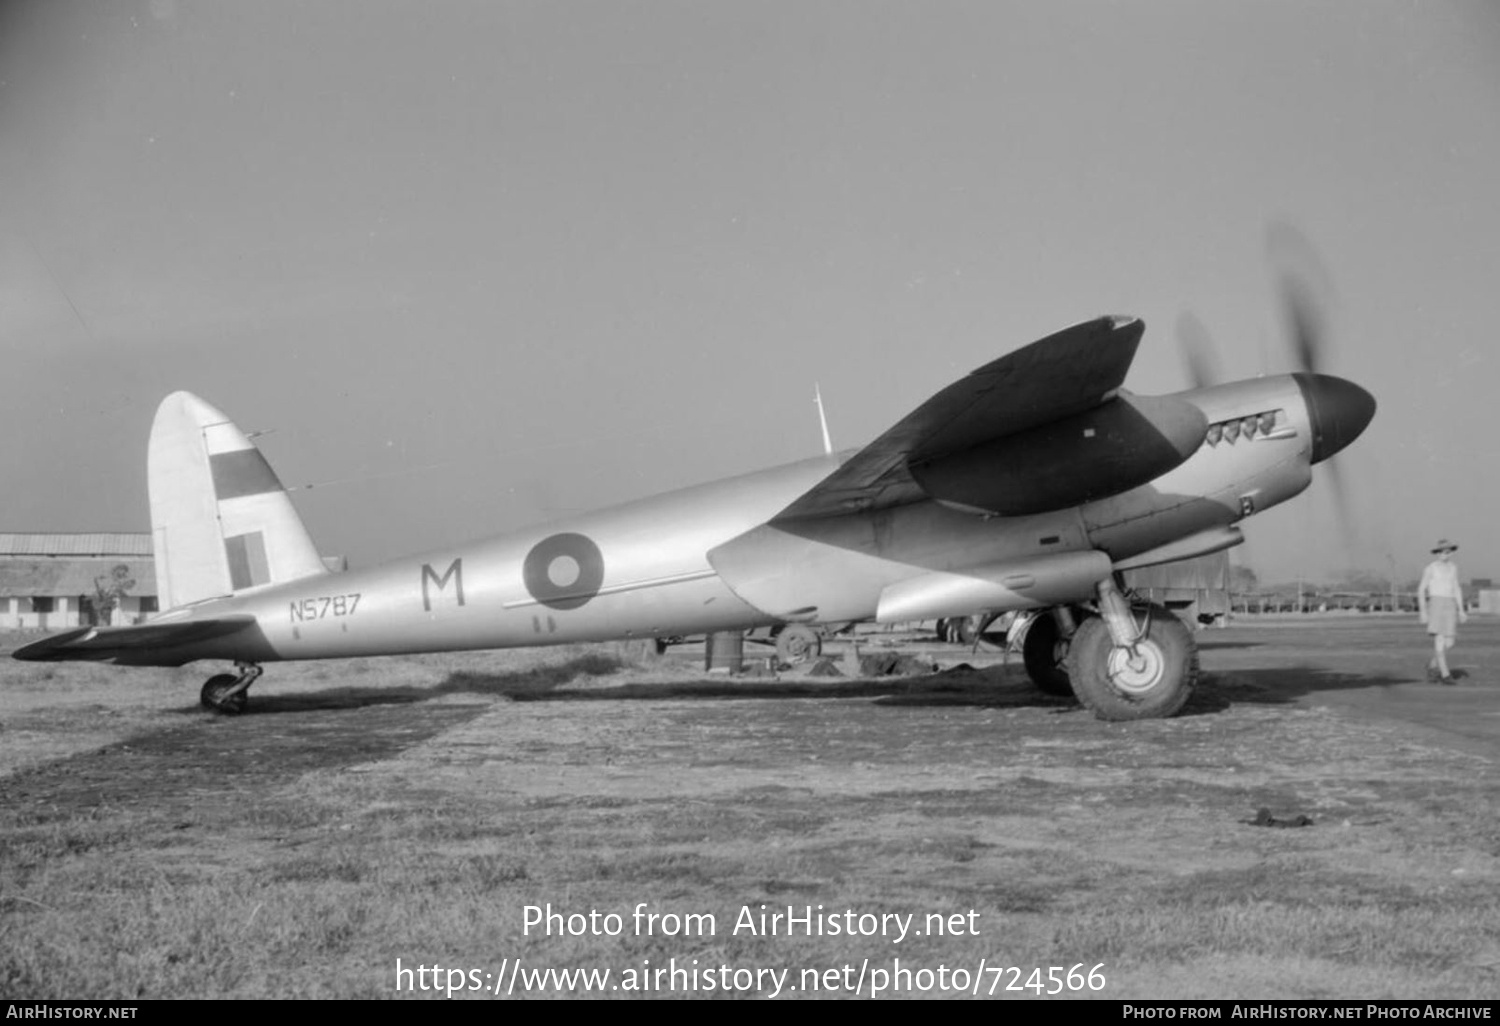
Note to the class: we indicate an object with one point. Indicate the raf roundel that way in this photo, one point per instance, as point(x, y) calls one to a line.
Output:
point(564, 571)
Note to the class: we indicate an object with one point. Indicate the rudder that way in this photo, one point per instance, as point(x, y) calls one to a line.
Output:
point(220, 520)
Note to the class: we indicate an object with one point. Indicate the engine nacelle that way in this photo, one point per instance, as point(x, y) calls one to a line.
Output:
point(1104, 451)
point(996, 588)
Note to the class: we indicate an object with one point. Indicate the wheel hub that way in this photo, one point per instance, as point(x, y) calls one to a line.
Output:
point(1137, 669)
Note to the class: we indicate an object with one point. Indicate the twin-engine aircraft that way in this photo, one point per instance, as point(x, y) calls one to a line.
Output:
point(1032, 483)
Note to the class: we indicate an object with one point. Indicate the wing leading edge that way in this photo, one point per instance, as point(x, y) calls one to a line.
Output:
point(1059, 376)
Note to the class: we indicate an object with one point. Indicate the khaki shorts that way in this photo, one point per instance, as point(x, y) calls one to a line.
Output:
point(1442, 617)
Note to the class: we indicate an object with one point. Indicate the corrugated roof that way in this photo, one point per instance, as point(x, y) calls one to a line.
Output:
point(54, 577)
point(99, 544)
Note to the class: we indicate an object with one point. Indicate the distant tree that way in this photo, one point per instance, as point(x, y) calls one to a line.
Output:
point(108, 591)
point(1242, 580)
point(1368, 581)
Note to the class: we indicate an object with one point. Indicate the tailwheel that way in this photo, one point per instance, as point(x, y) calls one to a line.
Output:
point(1149, 679)
point(227, 692)
point(216, 694)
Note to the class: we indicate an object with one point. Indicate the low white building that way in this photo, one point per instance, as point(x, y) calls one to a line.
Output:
point(54, 581)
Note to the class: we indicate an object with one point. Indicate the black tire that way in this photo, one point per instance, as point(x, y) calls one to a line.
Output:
point(798, 643)
point(214, 689)
point(1112, 689)
point(1045, 651)
point(967, 629)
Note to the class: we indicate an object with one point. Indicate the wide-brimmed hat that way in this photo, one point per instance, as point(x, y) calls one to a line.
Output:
point(1444, 545)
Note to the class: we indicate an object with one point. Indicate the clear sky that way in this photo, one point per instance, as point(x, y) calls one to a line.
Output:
point(473, 265)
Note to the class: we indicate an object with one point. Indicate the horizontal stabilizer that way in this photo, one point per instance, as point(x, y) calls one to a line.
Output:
point(100, 644)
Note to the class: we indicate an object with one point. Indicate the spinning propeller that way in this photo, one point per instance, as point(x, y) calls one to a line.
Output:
point(1198, 354)
point(1338, 409)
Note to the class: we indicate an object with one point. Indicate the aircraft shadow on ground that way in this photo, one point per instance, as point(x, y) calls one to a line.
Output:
point(1223, 645)
point(992, 687)
point(336, 697)
point(961, 686)
point(517, 684)
point(1279, 686)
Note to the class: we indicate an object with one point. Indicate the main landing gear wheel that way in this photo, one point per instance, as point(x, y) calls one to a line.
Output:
point(216, 696)
point(1152, 679)
point(1045, 651)
point(967, 629)
point(798, 643)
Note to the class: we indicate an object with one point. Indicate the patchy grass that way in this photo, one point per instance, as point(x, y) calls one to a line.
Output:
point(415, 808)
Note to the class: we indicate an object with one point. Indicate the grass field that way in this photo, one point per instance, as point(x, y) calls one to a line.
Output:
point(367, 811)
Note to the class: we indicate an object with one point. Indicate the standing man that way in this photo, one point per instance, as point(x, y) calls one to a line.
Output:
point(1440, 605)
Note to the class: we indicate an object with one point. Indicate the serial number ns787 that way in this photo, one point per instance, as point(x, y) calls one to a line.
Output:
point(324, 606)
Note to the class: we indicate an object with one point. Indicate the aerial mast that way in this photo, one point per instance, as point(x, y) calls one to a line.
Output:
point(822, 420)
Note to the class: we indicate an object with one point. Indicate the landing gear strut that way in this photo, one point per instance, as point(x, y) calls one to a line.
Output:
point(1132, 664)
point(226, 692)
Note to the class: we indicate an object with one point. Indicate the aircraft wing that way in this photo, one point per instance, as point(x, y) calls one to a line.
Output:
point(128, 643)
point(1062, 375)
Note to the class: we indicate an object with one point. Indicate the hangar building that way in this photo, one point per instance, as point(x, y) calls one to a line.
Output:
point(55, 581)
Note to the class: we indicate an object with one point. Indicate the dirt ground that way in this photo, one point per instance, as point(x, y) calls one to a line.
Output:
point(367, 811)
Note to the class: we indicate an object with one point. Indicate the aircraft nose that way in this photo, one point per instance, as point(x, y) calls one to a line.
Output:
point(1339, 411)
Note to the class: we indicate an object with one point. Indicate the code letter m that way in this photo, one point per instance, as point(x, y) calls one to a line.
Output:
point(455, 573)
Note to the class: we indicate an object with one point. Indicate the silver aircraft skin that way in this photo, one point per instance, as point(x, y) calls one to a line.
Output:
point(1030, 484)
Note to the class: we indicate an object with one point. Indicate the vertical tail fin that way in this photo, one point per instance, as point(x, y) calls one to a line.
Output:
point(220, 520)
